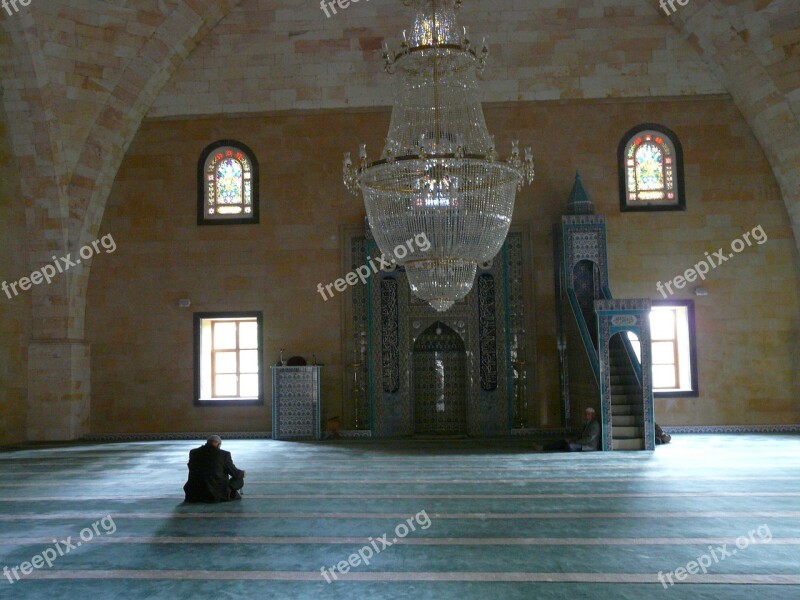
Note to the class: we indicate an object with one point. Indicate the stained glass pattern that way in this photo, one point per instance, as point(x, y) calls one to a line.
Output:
point(228, 184)
point(650, 169)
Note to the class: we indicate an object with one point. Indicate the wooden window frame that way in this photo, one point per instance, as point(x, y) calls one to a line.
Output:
point(690, 317)
point(199, 319)
point(676, 363)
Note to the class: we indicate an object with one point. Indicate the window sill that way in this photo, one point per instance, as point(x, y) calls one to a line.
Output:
point(228, 401)
point(676, 394)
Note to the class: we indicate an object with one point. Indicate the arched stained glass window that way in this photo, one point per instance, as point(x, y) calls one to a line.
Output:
point(651, 170)
point(227, 184)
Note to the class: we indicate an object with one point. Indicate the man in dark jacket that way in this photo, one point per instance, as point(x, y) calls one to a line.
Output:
point(212, 475)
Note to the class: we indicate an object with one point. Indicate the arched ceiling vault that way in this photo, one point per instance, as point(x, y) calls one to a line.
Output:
point(76, 86)
point(753, 48)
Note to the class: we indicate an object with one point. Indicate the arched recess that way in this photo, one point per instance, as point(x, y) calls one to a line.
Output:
point(439, 368)
point(742, 68)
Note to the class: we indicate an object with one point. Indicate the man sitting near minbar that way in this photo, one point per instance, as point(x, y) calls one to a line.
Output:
point(212, 475)
point(589, 440)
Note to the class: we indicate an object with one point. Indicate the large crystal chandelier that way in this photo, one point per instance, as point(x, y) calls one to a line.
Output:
point(439, 173)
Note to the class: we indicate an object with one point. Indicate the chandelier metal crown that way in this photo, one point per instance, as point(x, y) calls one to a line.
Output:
point(439, 172)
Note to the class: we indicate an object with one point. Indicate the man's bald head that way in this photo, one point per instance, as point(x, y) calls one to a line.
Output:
point(214, 440)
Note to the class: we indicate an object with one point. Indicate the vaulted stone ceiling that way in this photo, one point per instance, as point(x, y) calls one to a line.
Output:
point(295, 57)
point(79, 76)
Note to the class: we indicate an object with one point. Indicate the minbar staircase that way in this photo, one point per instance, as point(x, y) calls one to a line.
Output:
point(598, 365)
point(627, 419)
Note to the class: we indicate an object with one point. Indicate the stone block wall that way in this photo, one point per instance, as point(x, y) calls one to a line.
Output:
point(142, 342)
point(289, 55)
point(15, 312)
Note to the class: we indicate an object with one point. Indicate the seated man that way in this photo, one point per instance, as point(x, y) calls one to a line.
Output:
point(589, 440)
point(590, 436)
point(209, 472)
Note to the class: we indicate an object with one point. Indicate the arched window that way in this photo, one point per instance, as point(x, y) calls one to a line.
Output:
point(227, 182)
point(651, 170)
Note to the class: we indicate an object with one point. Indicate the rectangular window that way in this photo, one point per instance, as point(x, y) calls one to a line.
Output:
point(673, 348)
point(228, 358)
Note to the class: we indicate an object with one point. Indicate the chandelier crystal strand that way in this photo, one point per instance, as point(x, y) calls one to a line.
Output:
point(439, 173)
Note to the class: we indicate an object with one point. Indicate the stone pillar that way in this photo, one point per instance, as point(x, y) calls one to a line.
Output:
point(58, 390)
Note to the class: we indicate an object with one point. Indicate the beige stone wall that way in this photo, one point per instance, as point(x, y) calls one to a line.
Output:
point(15, 312)
point(142, 342)
point(291, 56)
point(79, 76)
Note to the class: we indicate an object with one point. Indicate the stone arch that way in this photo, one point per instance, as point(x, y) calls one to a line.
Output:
point(750, 75)
point(120, 119)
point(64, 206)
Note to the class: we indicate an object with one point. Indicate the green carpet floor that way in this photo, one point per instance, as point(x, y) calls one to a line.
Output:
point(491, 520)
